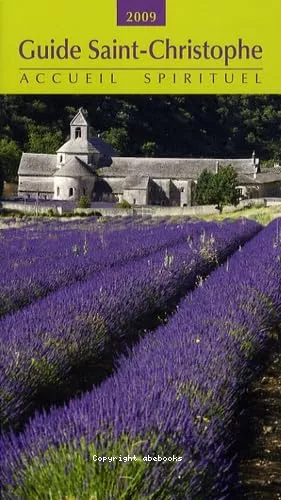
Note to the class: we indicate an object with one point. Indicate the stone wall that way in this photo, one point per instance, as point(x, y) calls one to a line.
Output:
point(154, 211)
point(27, 208)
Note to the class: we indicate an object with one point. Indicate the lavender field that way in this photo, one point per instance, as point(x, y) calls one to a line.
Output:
point(130, 340)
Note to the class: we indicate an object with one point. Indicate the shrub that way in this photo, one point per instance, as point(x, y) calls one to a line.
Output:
point(124, 204)
point(51, 212)
point(84, 202)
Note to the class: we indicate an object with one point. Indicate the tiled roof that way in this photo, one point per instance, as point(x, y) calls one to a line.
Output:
point(261, 178)
point(246, 179)
point(74, 168)
point(102, 147)
point(272, 175)
point(136, 182)
point(37, 164)
point(77, 146)
point(172, 168)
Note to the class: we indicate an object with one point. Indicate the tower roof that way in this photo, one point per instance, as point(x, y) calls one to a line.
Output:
point(77, 146)
point(74, 168)
point(79, 119)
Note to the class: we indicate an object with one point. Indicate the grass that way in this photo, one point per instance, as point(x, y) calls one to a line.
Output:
point(73, 471)
point(263, 215)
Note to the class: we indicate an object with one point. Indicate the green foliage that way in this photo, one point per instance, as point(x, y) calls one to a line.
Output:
point(12, 213)
point(73, 471)
point(9, 159)
point(1, 181)
point(204, 193)
point(43, 140)
point(51, 212)
point(219, 189)
point(200, 126)
point(84, 202)
point(118, 138)
point(124, 204)
point(149, 148)
point(267, 164)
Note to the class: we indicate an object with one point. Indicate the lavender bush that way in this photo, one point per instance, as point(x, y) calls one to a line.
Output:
point(36, 263)
point(175, 395)
point(48, 344)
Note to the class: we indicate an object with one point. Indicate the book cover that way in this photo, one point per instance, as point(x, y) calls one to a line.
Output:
point(140, 249)
point(138, 47)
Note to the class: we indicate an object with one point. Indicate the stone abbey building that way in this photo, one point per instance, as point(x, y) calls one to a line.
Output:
point(89, 166)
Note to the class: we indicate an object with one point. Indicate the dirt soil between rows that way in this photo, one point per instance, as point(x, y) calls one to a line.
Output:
point(260, 458)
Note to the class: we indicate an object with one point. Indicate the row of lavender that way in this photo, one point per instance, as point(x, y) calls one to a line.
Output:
point(161, 426)
point(35, 238)
point(45, 346)
point(57, 237)
point(34, 264)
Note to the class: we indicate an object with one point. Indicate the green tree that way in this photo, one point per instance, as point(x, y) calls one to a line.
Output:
point(118, 138)
point(43, 140)
point(9, 159)
point(84, 202)
point(225, 187)
point(1, 181)
point(219, 189)
point(149, 148)
point(205, 189)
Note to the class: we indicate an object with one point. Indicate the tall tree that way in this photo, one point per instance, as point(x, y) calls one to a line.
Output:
point(217, 189)
point(43, 140)
point(9, 159)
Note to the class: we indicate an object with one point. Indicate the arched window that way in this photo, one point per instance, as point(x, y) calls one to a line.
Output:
point(70, 192)
point(58, 191)
point(84, 191)
point(61, 158)
point(77, 132)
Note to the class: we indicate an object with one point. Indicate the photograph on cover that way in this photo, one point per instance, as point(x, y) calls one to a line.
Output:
point(140, 302)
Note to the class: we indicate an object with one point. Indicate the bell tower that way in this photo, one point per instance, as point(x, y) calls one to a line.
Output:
point(79, 127)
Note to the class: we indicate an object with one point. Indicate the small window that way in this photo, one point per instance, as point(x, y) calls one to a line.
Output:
point(182, 190)
point(70, 192)
point(77, 132)
point(134, 201)
point(61, 158)
point(58, 191)
point(84, 191)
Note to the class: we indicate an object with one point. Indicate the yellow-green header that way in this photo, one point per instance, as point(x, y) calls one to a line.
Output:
point(140, 47)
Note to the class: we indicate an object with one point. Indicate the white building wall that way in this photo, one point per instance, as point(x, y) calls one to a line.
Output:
point(135, 196)
point(69, 188)
point(184, 187)
point(165, 185)
point(60, 159)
